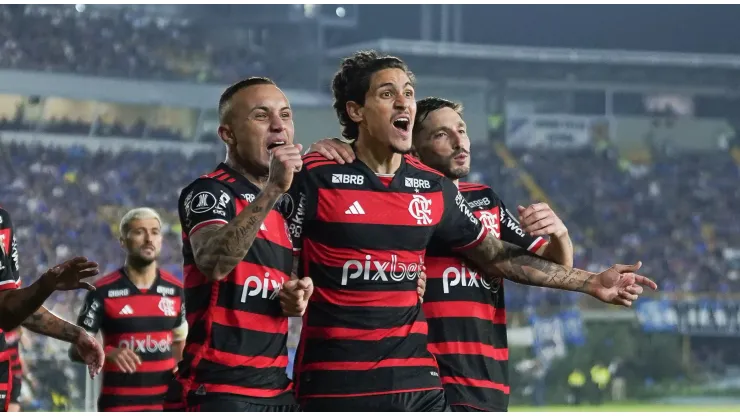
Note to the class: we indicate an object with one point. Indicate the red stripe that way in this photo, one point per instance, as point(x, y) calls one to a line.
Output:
point(193, 277)
point(249, 320)
point(135, 391)
point(213, 174)
point(382, 208)
point(314, 157)
point(486, 384)
point(232, 360)
point(223, 177)
point(10, 286)
point(200, 225)
point(145, 367)
point(418, 327)
point(473, 186)
point(317, 164)
point(462, 309)
point(244, 270)
point(375, 299)
point(139, 408)
point(167, 277)
point(337, 257)
point(141, 305)
point(476, 242)
point(231, 180)
point(109, 278)
point(469, 348)
point(244, 391)
point(367, 366)
point(437, 266)
point(538, 244)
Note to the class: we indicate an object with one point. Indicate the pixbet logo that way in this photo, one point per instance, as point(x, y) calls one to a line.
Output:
point(147, 345)
point(262, 287)
point(420, 209)
point(461, 276)
point(384, 270)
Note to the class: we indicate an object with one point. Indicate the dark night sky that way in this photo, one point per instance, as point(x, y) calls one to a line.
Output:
point(685, 28)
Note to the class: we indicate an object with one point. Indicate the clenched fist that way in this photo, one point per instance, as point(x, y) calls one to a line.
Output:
point(285, 160)
point(294, 296)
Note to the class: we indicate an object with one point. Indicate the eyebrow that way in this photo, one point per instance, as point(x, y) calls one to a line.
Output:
point(267, 109)
point(390, 84)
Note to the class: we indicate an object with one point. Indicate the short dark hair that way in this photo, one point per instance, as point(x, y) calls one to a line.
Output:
point(352, 82)
point(223, 107)
point(429, 104)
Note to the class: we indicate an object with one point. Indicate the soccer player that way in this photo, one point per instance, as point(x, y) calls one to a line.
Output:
point(466, 314)
point(238, 260)
point(362, 229)
point(140, 311)
point(12, 343)
point(23, 306)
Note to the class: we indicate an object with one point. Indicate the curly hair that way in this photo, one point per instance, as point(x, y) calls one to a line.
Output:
point(352, 82)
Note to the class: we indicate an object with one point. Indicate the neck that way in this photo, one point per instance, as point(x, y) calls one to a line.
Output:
point(141, 275)
point(233, 163)
point(456, 182)
point(378, 157)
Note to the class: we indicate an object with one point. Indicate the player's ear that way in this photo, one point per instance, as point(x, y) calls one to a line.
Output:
point(226, 135)
point(122, 241)
point(355, 111)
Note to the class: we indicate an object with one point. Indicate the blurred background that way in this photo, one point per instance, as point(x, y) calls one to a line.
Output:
point(623, 118)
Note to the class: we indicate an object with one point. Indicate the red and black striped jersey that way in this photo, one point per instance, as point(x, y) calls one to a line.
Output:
point(238, 333)
point(467, 315)
point(12, 342)
point(141, 320)
point(362, 239)
point(10, 279)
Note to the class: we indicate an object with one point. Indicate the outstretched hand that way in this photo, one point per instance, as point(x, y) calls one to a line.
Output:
point(69, 275)
point(619, 285)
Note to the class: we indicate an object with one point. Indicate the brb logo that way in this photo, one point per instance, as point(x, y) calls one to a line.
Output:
point(261, 287)
point(384, 270)
point(147, 345)
point(461, 276)
point(420, 209)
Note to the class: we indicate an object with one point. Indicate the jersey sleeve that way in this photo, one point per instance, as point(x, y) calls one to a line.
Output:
point(91, 314)
point(512, 232)
point(303, 196)
point(10, 277)
point(205, 202)
point(180, 329)
point(458, 229)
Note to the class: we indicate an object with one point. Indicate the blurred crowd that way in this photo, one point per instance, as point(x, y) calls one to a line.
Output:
point(119, 42)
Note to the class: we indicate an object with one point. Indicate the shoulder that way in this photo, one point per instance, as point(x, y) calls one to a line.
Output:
point(314, 160)
point(108, 281)
point(170, 278)
point(479, 195)
point(417, 165)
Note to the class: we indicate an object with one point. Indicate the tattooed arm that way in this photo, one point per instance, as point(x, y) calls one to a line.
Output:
point(46, 323)
point(218, 248)
point(497, 258)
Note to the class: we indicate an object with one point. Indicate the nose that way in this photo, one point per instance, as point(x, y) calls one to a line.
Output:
point(402, 102)
point(277, 124)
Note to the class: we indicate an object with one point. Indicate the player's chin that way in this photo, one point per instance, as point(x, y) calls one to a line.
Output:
point(401, 145)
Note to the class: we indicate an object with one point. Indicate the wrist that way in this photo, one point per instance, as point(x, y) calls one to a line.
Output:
point(47, 283)
point(273, 191)
point(560, 235)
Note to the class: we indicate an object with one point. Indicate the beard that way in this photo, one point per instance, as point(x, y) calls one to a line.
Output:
point(138, 261)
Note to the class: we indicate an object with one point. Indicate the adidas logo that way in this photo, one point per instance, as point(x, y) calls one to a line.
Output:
point(355, 209)
point(127, 310)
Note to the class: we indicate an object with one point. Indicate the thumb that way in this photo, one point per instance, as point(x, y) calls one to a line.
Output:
point(305, 283)
point(299, 147)
point(520, 208)
point(628, 268)
point(290, 285)
point(86, 286)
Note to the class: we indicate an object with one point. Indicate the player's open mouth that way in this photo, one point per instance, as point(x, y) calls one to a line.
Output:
point(402, 123)
point(274, 145)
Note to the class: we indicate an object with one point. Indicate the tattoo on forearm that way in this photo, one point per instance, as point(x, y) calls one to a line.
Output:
point(497, 258)
point(46, 323)
point(219, 249)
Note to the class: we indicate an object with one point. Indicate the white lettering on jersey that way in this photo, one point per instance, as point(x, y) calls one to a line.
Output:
point(167, 306)
point(147, 345)
point(483, 202)
point(417, 183)
point(461, 276)
point(394, 270)
point(348, 179)
point(117, 293)
point(262, 287)
point(463, 205)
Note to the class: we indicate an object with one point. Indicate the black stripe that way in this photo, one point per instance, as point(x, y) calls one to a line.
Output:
point(345, 350)
point(328, 315)
point(247, 342)
point(372, 381)
point(356, 236)
point(154, 379)
point(467, 330)
point(263, 252)
point(107, 401)
point(114, 325)
point(487, 399)
point(197, 332)
point(272, 378)
point(473, 366)
point(198, 298)
point(230, 297)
